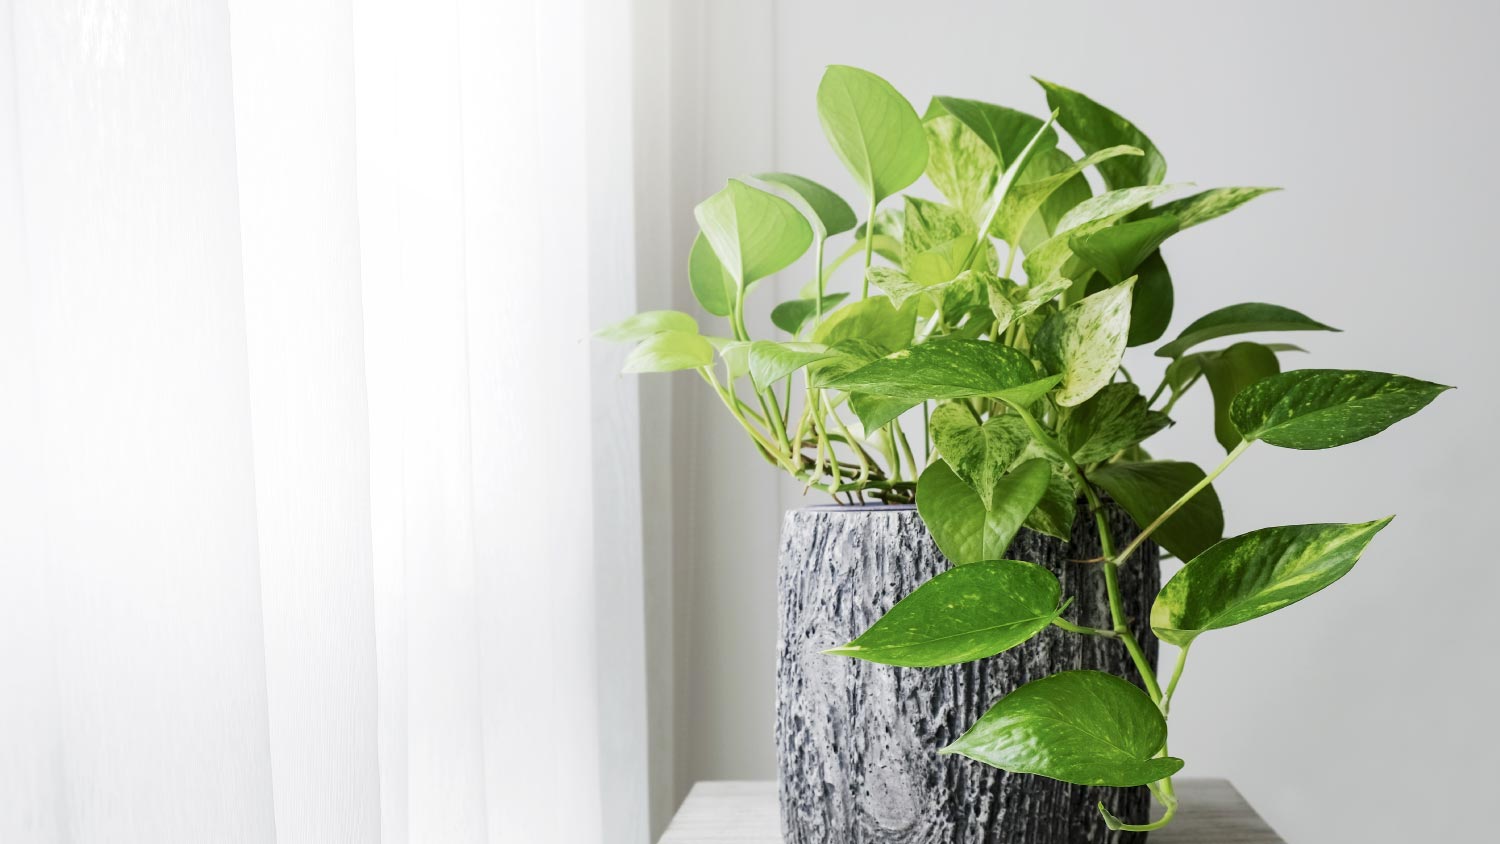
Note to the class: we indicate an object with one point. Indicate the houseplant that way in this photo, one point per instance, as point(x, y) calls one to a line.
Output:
point(991, 328)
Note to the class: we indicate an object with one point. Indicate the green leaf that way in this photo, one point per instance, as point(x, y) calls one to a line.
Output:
point(1205, 206)
point(1240, 319)
point(945, 369)
point(978, 454)
point(1115, 419)
point(826, 210)
point(1146, 490)
point(876, 321)
point(928, 224)
point(770, 361)
point(1082, 727)
point(965, 530)
point(1151, 308)
point(753, 233)
point(1004, 130)
point(712, 285)
point(875, 412)
point(967, 613)
point(646, 323)
point(667, 351)
point(899, 286)
point(792, 316)
point(1043, 223)
point(735, 353)
point(1055, 513)
point(1113, 205)
point(961, 166)
point(1324, 408)
point(1119, 249)
point(1249, 576)
point(1228, 372)
point(1095, 127)
point(1028, 195)
point(873, 129)
point(1085, 341)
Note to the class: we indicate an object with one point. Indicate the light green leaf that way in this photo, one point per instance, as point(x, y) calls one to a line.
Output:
point(1055, 513)
point(1082, 727)
point(1044, 222)
point(1011, 302)
point(1004, 130)
point(944, 369)
point(1084, 342)
point(875, 412)
point(712, 285)
point(1324, 408)
point(899, 286)
point(792, 316)
point(1095, 127)
point(770, 362)
point(1041, 181)
point(667, 351)
point(826, 210)
point(876, 321)
point(968, 613)
point(873, 129)
point(978, 454)
point(1205, 206)
point(961, 166)
point(1228, 372)
point(1245, 318)
point(965, 530)
point(1249, 576)
point(928, 224)
point(1115, 419)
point(646, 323)
point(1114, 205)
point(754, 233)
point(734, 353)
point(1119, 249)
point(1151, 307)
point(1147, 489)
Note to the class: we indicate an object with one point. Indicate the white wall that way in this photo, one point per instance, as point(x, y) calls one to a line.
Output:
point(1360, 715)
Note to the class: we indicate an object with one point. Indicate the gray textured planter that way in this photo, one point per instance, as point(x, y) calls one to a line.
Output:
point(857, 742)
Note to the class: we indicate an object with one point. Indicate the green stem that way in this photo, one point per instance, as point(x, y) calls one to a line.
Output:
point(864, 292)
point(1166, 701)
point(1010, 259)
point(1078, 628)
point(859, 452)
point(731, 402)
point(1170, 802)
point(916, 471)
point(1178, 504)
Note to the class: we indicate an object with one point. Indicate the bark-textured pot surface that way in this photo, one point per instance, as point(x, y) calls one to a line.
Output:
point(857, 742)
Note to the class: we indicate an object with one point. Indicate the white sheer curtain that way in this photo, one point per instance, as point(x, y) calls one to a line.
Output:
point(319, 512)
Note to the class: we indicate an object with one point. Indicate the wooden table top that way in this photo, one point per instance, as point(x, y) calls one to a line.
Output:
point(1212, 812)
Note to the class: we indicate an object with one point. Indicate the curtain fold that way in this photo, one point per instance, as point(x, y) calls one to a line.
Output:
point(319, 510)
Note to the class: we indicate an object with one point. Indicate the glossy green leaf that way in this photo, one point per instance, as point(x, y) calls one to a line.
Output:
point(1248, 576)
point(876, 321)
point(646, 323)
point(1004, 130)
point(826, 210)
point(944, 369)
point(712, 285)
point(1245, 318)
point(1228, 372)
point(1205, 206)
point(1114, 419)
point(1095, 127)
point(754, 233)
point(1028, 195)
point(1055, 513)
point(1151, 307)
point(978, 454)
point(1082, 727)
point(900, 287)
point(875, 412)
point(1147, 489)
point(965, 530)
point(1043, 224)
point(873, 129)
point(961, 166)
point(967, 613)
point(1324, 408)
point(1118, 250)
point(770, 361)
point(667, 351)
point(1112, 205)
point(1085, 342)
point(793, 316)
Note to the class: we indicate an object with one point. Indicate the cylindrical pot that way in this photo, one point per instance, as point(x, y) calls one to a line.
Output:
point(857, 743)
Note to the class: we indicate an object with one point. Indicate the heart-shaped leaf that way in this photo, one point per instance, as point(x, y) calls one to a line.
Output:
point(1228, 372)
point(875, 412)
point(964, 529)
point(961, 166)
point(792, 316)
point(1082, 727)
point(945, 369)
point(873, 129)
point(826, 210)
point(1249, 576)
point(754, 233)
point(967, 613)
point(712, 285)
point(1116, 251)
point(1095, 127)
point(978, 454)
point(1114, 419)
point(1147, 489)
point(1005, 131)
point(668, 351)
point(1085, 341)
point(646, 323)
point(875, 321)
point(1151, 307)
point(770, 361)
point(1240, 319)
point(1055, 513)
point(1324, 408)
point(1205, 206)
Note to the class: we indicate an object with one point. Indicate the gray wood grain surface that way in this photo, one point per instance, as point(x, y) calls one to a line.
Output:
point(746, 813)
point(857, 743)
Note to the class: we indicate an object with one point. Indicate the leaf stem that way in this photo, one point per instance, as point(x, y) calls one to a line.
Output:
point(864, 292)
point(1086, 631)
point(1166, 701)
point(1178, 504)
point(818, 256)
